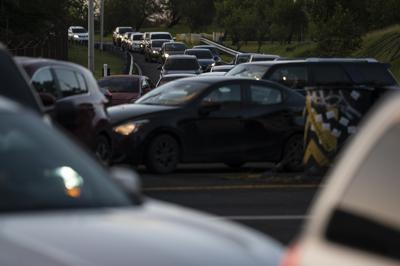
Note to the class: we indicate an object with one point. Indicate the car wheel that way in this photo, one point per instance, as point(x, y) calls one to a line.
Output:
point(235, 165)
point(162, 154)
point(293, 154)
point(103, 150)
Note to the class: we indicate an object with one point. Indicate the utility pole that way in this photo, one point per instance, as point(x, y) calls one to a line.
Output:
point(91, 36)
point(101, 23)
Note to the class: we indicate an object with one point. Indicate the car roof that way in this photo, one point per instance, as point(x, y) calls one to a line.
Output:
point(77, 27)
point(137, 33)
point(179, 75)
point(313, 60)
point(42, 62)
point(160, 32)
point(197, 50)
point(224, 67)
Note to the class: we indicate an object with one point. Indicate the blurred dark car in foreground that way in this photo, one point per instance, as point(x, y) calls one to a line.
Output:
point(80, 104)
point(172, 48)
point(204, 56)
point(62, 209)
point(214, 119)
point(120, 89)
point(180, 64)
point(298, 74)
point(356, 218)
point(167, 78)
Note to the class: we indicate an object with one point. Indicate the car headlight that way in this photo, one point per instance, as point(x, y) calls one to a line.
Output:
point(130, 127)
point(166, 55)
point(155, 52)
point(213, 64)
point(76, 36)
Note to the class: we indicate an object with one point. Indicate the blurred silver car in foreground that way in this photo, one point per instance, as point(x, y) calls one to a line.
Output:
point(59, 207)
point(356, 219)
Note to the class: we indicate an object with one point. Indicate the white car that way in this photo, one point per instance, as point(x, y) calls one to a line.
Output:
point(356, 218)
point(59, 208)
point(78, 34)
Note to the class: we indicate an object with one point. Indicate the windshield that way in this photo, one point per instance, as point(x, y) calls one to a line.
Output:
point(161, 36)
point(173, 93)
point(200, 54)
point(55, 174)
point(125, 30)
point(137, 37)
point(248, 71)
point(175, 47)
point(181, 64)
point(157, 44)
point(120, 85)
point(79, 30)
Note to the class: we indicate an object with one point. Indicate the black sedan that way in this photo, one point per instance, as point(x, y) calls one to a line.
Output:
point(213, 119)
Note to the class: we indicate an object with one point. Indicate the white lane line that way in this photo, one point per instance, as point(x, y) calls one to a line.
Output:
point(265, 217)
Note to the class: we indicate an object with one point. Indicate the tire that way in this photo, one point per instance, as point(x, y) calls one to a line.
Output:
point(103, 150)
point(235, 165)
point(162, 155)
point(293, 154)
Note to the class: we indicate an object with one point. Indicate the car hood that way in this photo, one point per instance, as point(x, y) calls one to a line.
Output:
point(154, 234)
point(124, 112)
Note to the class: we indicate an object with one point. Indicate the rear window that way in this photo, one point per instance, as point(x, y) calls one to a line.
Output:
point(201, 54)
point(181, 64)
point(370, 73)
point(79, 30)
point(120, 85)
point(175, 47)
point(161, 36)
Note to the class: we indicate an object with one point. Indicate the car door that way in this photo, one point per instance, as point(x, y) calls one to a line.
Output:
point(218, 127)
point(266, 121)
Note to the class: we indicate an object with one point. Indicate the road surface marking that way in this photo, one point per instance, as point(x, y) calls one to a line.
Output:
point(265, 217)
point(225, 187)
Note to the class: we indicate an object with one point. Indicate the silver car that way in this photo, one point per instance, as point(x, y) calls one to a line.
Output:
point(58, 207)
point(356, 218)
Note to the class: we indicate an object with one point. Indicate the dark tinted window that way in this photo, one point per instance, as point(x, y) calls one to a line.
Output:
point(329, 74)
point(120, 85)
point(175, 47)
point(181, 64)
point(157, 44)
point(55, 175)
point(264, 95)
point(200, 54)
point(161, 36)
point(70, 83)
point(370, 73)
point(291, 76)
point(227, 93)
point(43, 82)
point(257, 59)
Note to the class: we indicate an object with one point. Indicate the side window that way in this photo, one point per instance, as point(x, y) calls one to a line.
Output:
point(291, 76)
point(43, 81)
point(224, 94)
point(70, 82)
point(328, 74)
point(263, 95)
point(367, 216)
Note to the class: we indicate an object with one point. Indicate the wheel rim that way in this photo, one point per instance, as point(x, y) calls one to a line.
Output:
point(165, 154)
point(103, 151)
point(294, 152)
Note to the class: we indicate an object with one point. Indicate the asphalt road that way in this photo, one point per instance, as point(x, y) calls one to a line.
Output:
point(274, 204)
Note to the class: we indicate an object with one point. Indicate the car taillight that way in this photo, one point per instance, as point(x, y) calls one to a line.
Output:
point(291, 257)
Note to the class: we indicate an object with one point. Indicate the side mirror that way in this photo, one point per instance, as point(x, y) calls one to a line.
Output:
point(128, 180)
point(47, 99)
point(66, 114)
point(207, 108)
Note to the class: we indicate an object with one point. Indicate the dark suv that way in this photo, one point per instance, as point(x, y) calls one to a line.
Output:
point(298, 74)
point(80, 105)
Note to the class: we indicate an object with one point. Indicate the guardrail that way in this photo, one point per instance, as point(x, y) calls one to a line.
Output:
point(219, 46)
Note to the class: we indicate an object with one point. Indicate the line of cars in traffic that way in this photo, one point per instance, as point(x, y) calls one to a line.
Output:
point(53, 193)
